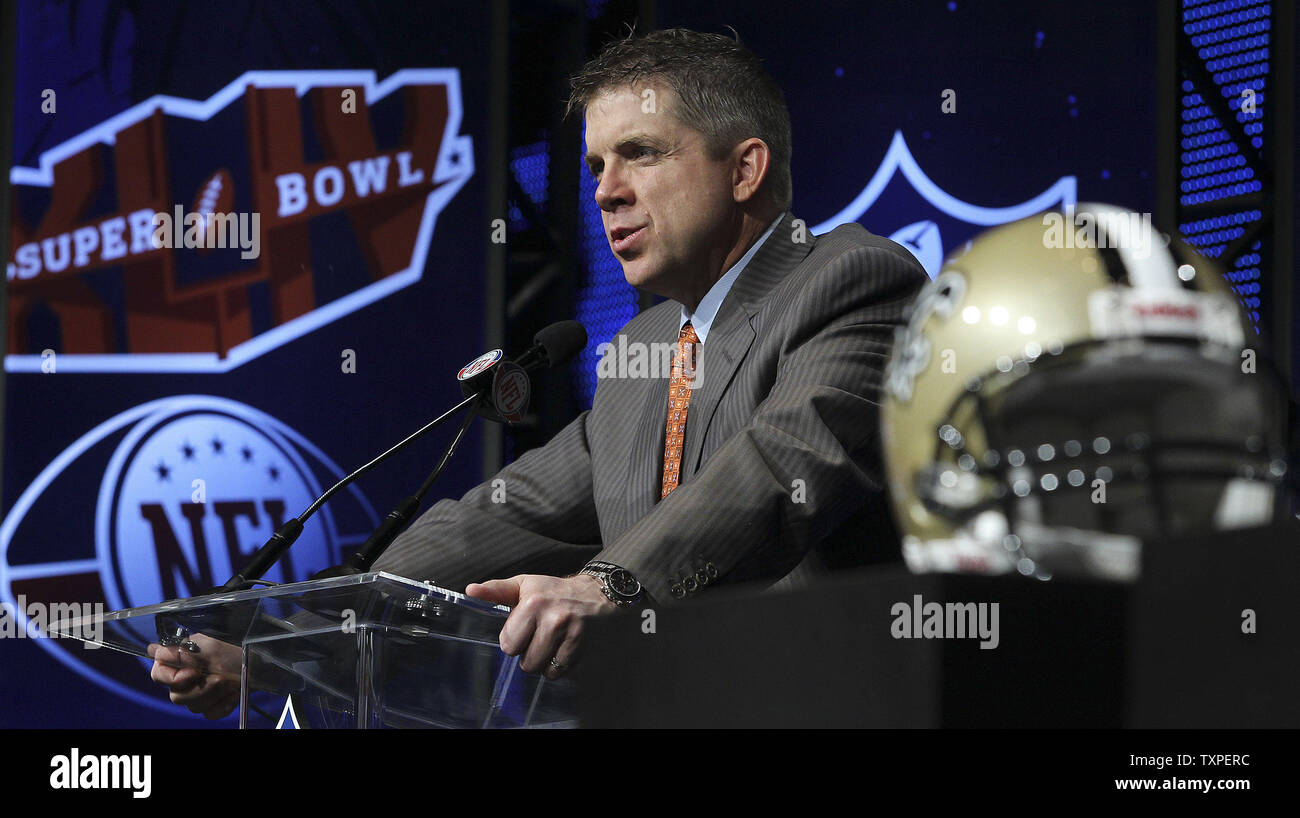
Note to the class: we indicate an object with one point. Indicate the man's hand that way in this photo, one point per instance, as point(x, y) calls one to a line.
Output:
point(206, 682)
point(545, 626)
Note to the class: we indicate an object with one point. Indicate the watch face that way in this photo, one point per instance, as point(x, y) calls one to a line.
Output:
point(623, 583)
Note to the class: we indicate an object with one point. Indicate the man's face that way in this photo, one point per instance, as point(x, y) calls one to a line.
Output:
point(666, 203)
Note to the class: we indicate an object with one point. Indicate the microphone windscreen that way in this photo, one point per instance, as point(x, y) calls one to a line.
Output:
point(561, 341)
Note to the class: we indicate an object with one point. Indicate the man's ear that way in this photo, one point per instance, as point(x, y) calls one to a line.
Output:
point(751, 161)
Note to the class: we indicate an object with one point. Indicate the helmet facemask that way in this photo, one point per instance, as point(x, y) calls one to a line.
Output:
point(1110, 443)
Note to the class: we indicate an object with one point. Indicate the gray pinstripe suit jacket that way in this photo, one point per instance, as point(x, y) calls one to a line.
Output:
point(787, 391)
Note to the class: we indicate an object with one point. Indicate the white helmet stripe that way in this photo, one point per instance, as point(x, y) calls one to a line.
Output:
point(1146, 259)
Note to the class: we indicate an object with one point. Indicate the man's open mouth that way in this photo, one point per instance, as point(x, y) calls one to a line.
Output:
point(623, 238)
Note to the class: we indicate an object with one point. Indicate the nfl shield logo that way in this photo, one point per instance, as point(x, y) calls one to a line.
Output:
point(924, 218)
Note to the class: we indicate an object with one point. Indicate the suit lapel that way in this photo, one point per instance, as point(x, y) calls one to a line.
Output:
point(646, 452)
point(733, 332)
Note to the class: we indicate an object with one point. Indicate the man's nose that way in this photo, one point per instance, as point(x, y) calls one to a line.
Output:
point(613, 190)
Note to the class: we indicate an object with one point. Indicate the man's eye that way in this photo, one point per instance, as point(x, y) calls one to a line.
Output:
point(645, 150)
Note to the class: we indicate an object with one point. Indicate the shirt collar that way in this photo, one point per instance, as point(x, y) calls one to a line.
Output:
point(707, 309)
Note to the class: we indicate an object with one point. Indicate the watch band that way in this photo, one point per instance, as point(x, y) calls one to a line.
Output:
point(617, 583)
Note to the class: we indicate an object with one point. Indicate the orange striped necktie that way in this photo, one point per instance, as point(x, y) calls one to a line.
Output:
point(679, 399)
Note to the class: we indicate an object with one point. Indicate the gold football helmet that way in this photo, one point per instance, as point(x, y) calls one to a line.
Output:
point(1069, 386)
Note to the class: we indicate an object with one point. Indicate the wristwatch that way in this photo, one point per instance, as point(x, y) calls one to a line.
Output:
point(619, 585)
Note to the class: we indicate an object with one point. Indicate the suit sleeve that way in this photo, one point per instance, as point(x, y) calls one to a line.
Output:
point(537, 515)
point(808, 457)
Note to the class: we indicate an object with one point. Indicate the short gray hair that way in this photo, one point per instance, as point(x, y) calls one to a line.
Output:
point(725, 92)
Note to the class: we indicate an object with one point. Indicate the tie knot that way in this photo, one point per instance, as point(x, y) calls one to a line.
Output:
point(688, 334)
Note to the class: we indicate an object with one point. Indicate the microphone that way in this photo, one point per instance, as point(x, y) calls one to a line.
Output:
point(553, 346)
point(485, 379)
point(505, 384)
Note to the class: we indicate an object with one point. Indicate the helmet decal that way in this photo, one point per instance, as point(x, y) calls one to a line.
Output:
point(912, 350)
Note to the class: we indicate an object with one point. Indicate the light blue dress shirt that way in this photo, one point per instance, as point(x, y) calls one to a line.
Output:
point(707, 309)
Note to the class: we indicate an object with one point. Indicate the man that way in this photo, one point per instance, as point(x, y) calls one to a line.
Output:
point(759, 454)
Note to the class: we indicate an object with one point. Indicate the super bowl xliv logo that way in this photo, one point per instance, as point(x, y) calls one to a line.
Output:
point(926, 219)
point(188, 488)
point(194, 235)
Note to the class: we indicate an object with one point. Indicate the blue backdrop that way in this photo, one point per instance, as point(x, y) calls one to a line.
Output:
point(341, 337)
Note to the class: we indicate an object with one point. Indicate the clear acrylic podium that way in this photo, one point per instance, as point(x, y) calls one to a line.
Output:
point(370, 650)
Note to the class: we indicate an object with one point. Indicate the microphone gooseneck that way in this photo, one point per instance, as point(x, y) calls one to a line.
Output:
point(552, 346)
